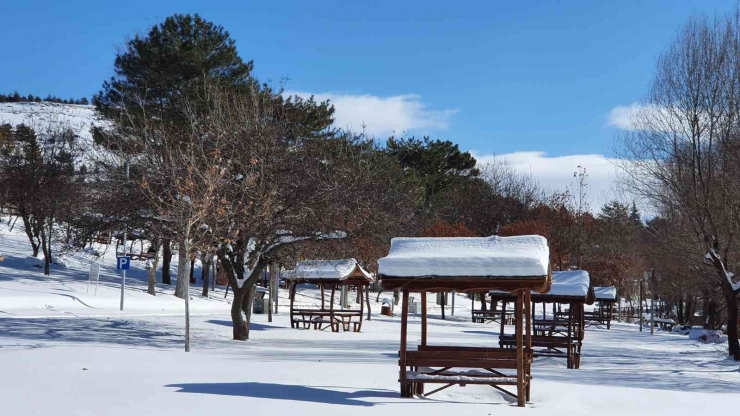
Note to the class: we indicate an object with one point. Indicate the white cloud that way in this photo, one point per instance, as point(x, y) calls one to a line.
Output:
point(557, 173)
point(623, 117)
point(382, 116)
point(650, 117)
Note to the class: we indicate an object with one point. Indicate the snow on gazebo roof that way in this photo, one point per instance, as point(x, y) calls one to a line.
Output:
point(570, 283)
point(328, 270)
point(504, 257)
point(605, 293)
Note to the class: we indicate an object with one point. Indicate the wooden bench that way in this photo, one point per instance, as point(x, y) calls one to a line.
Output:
point(465, 365)
point(344, 317)
point(316, 317)
point(481, 316)
point(140, 256)
point(596, 319)
point(550, 346)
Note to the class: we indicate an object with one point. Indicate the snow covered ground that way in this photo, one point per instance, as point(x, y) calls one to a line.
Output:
point(67, 352)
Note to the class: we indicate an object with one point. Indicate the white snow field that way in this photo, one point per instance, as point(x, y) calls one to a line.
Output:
point(67, 352)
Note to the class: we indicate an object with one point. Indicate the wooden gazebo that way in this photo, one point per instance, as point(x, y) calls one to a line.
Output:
point(332, 274)
point(604, 297)
point(558, 326)
point(473, 265)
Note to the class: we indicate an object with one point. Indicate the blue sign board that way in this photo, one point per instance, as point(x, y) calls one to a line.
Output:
point(124, 263)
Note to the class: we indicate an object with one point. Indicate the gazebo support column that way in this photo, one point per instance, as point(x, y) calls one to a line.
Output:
point(367, 300)
point(331, 310)
point(321, 286)
point(519, 348)
point(293, 324)
point(423, 318)
point(402, 350)
point(362, 306)
point(530, 323)
point(503, 325)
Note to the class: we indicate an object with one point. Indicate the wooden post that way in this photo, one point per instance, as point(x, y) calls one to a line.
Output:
point(331, 308)
point(503, 323)
point(321, 286)
point(423, 318)
point(402, 351)
point(269, 296)
point(362, 305)
point(367, 299)
point(519, 348)
point(292, 300)
point(530, 327)
point(570, 336)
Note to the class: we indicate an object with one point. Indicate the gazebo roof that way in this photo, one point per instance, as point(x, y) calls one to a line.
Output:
point(605, 293)
point(467, 263)
point(566, 286)
point(328, 270)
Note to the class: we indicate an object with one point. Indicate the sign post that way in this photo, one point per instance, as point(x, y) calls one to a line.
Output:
point(123, 264)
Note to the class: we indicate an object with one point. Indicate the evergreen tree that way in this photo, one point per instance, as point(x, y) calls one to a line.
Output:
point(170, 64)
point(436, 164)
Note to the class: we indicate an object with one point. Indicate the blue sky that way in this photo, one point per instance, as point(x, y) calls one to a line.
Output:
point(538, 79)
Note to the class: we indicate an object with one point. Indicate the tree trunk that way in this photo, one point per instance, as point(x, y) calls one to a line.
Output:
point(732, 338)
point(192, 271)
point(166, 261)
point(183, 269)
point(33, 237)
point(443, 298)
point(240, 328)
point(151, 287)
point(206, 273)
point(46, 247)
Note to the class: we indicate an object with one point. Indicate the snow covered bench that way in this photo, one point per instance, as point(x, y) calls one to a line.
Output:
point(462, 365)
point(332, 273)
point(560, 332)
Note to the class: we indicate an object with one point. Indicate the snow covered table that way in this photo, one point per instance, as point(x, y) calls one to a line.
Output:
point(475, 265)
point(559, 333)
point(605, 297)
point(333, 273)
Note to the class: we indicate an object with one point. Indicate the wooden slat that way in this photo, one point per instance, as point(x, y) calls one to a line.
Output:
point(502, 355)
point(460, 363)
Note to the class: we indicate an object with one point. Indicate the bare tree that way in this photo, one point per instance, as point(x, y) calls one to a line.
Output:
point(684, 152)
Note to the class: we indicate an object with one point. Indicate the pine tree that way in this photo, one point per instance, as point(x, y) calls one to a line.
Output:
point(169, 64)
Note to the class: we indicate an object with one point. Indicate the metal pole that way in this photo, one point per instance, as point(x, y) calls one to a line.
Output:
point(652, 300)
point(642, 293)
point(123, 272)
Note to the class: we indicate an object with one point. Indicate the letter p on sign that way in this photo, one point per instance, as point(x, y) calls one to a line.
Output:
point(124, 263)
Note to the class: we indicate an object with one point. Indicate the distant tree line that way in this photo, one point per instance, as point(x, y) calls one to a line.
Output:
point(15, 97)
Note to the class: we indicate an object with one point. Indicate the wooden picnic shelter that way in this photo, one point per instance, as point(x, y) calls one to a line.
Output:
point(518, 264)
point(332, 275)
point(604, 299)
point(557, 326)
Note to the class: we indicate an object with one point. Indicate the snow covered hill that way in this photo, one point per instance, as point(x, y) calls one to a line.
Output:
point(80, 118)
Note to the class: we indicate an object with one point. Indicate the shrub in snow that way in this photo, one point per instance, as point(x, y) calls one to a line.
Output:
point(707, 336)
point(681, 329)
point(60, 261)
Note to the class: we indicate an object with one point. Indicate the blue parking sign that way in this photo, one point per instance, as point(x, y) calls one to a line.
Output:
point(124, 263)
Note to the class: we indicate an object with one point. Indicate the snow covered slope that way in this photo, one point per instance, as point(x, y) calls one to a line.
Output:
point(80, 118)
